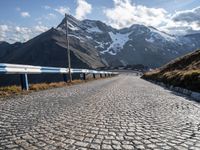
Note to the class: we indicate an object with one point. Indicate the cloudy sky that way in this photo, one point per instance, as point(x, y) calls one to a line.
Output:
point(21, 20)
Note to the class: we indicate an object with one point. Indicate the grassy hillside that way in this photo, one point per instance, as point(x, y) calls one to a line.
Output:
point(182, 72)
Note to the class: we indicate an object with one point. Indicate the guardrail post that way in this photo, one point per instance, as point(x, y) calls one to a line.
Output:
point(81, 76)
point(65, 77)
point(84, 76)
point(94, 76)
point(24, 82)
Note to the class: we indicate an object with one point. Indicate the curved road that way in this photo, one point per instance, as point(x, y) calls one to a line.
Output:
point(123, 112)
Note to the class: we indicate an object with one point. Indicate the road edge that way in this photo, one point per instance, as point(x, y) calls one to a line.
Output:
point(189, 93)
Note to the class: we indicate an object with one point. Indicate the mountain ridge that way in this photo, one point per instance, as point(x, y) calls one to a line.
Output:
point(94, 42)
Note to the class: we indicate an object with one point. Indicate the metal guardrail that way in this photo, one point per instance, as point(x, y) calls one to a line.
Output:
point(24, 70)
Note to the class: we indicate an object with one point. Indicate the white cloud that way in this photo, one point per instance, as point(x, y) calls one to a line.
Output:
point(51, 16)
point(12, 33)
point(45, 17)
point(39, 22)
point(47, 7)
point(18, 9)
point(25, 33)
point(189, 16)
point(25, 14)
point(3, 30)
point(125, 13)
point(82, 9)
point(180, 28)
point(62, 10)
point(40, 28)
point(21, 33)
point(184, 21)
point(24, 30)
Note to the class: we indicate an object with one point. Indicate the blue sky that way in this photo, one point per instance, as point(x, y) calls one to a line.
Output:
point(31, 17)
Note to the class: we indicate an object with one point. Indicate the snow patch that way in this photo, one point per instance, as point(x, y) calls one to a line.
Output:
point(61, 30)
point(94, 30)
point(123, 62)
point(158, 35)
point(100, 44)
point(150, 40)
point(72, 35)
point(112, 53)
point(89, 37)
point(118, 42)
point(73, 28)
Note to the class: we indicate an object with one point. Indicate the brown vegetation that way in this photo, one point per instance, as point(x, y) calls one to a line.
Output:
point(15, 90)
point(183, 72)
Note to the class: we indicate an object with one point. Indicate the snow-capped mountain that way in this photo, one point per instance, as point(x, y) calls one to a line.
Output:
point(95, 44)
point(137, 44)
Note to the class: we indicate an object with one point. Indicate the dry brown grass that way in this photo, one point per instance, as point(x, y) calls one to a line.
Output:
point(44, 86)
point(189, 79)
point(9, 90)
point(183, 72)
point(15, 90)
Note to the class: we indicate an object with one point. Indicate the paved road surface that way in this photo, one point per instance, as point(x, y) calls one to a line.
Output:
point(123, 112)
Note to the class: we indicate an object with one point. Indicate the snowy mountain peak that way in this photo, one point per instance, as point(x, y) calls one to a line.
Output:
point(125, 44)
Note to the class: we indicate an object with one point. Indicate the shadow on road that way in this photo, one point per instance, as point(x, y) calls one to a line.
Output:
point(178, 94)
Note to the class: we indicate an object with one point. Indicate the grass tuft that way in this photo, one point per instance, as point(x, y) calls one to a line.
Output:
point(6, 91)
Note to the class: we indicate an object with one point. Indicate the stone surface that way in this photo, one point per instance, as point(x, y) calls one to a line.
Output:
point(123, 112)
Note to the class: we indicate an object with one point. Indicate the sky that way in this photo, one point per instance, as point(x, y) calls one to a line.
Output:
point(21, 20)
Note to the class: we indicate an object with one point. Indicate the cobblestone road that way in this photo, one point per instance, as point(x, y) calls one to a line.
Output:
point(123, 112)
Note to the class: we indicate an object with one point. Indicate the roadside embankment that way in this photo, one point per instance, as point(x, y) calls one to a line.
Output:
point(182, 74)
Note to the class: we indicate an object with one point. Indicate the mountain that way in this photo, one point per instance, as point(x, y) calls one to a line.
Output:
point(49, 49)
point(182, 72)
point(94, 44)
point(137, 44)
point(8, 49)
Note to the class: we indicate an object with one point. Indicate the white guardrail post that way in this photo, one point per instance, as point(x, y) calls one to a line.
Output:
point(25, 70)
point(24, 82)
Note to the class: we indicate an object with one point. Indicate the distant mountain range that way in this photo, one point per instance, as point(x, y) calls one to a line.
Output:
point(94, 44)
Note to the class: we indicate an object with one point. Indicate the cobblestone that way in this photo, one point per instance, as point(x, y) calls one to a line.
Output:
point(123, 112)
